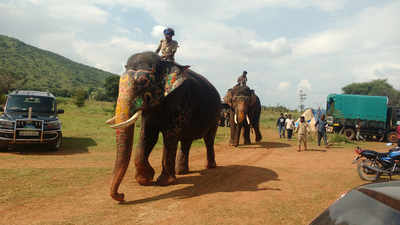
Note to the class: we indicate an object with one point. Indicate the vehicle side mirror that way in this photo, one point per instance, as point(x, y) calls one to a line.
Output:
point(60, 111)
point(1, 108)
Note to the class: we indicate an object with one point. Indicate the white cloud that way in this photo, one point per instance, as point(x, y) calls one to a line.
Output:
point(283, 86)
point(157, 31)
point(304, 85)
point(323, 43)
point(117, 48)
point(275, 47)
point(389, 71)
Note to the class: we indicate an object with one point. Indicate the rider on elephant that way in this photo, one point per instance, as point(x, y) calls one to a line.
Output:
point(242, 79)
point(168, 46)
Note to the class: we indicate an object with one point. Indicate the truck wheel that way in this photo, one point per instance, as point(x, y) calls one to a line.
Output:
point(392, 137)
point(56, 144)
point(349, 133)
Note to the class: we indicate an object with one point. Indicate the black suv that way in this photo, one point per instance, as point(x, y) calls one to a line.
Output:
point(30, 117)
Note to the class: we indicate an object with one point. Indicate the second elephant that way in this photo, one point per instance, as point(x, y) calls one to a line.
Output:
point(245, 113)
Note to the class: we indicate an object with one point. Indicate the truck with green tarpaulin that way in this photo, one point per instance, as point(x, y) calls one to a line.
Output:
point(374, 117)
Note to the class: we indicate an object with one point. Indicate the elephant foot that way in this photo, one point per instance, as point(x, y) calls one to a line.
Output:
point(144, 175)
point(258, 138)
point(165, 179)
point(211, 165)
point(181, 170)
point(118, 197)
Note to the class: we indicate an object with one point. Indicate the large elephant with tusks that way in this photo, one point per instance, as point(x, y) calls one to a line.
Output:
point(245, 113)
point(171, 99)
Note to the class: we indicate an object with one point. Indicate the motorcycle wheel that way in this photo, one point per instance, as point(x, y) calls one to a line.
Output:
point(365, 173)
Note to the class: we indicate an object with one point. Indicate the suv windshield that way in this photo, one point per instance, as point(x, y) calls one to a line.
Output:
point(22, 103)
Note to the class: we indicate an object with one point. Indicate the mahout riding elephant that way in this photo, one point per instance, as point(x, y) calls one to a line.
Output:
point(245, 113)
point(171, 99)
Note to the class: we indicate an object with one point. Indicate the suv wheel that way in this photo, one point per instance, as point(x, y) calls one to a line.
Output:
point(3, 146)
point(56, 144)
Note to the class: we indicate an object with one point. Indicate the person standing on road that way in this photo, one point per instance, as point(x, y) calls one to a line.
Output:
point(280, 123)
point(321, 130)
point(302, 130)
point(289, 124)
point(358, 129)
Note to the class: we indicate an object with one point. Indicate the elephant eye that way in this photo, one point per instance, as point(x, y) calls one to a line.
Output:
point(142, 81)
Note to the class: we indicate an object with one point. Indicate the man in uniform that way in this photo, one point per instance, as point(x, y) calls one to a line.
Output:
point(302, 130)
point(168, 46)
point(242, 79)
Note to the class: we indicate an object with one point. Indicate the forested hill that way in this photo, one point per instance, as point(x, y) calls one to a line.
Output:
point(32, 68)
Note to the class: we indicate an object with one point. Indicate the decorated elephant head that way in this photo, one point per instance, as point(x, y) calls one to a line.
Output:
point(146, 82)
point(240, 99)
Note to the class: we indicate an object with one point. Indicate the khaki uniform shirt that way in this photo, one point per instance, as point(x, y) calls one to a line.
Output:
point(242, 80)
point(302, 129)
point(168, 49)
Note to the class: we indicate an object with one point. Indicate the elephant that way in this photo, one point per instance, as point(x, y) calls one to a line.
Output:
point(245, 109)
point(171, 99)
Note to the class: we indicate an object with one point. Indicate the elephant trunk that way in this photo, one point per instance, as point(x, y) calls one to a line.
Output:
point(241, 112)
point(124, 135)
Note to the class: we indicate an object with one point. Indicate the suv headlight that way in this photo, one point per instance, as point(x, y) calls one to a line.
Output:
point(6, 124)
point(53, 125)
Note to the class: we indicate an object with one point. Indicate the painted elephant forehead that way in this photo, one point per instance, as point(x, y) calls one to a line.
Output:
point(172, 81)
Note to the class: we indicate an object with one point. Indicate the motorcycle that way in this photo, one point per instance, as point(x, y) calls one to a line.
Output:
point(372, 164)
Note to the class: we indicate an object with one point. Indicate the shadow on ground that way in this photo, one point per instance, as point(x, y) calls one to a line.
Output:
point(70, 146)
point(265, 144)
point(232, 178)
point(315, 150)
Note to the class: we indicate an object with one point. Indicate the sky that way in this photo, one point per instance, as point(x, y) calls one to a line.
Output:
point(317, 46)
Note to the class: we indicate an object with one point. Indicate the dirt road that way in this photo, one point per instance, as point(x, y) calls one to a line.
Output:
point(265, 183)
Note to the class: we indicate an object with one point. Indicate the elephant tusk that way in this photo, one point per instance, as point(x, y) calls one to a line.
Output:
point(129, 122)
point(235, 119)
point(248, 119)
point(111, 121)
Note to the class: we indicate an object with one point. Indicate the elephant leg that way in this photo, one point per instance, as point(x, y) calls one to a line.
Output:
point(237, 135)
point(209, 141)
point(149, 135)
point(183, 157)
point(233, 132)
point(167, 176)
point(258, 133)
point(247, 135)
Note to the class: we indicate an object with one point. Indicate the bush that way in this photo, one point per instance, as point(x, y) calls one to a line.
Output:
point(80, 96)
point(3, 99)
point(338, 138)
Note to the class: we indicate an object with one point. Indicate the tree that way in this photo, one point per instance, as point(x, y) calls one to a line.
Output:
point(378, 87)
point(8, 81)
point(111, 87)
point(80, 96)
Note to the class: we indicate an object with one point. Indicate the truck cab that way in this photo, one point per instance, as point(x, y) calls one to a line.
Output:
point(30, 117)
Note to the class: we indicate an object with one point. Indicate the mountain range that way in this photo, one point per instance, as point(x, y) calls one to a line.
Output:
point(36, 69)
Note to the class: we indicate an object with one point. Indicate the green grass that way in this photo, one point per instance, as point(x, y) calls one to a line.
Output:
point(19, 185)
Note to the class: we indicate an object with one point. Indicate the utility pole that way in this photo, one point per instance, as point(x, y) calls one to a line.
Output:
point(302, 98)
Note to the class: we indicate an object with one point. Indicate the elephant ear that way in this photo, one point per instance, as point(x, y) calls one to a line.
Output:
point(228, 97)
point(174, 78)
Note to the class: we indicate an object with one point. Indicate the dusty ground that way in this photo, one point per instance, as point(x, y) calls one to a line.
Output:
point(265, 183)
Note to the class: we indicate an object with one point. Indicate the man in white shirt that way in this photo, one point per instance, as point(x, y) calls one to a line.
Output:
point(289, 124)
